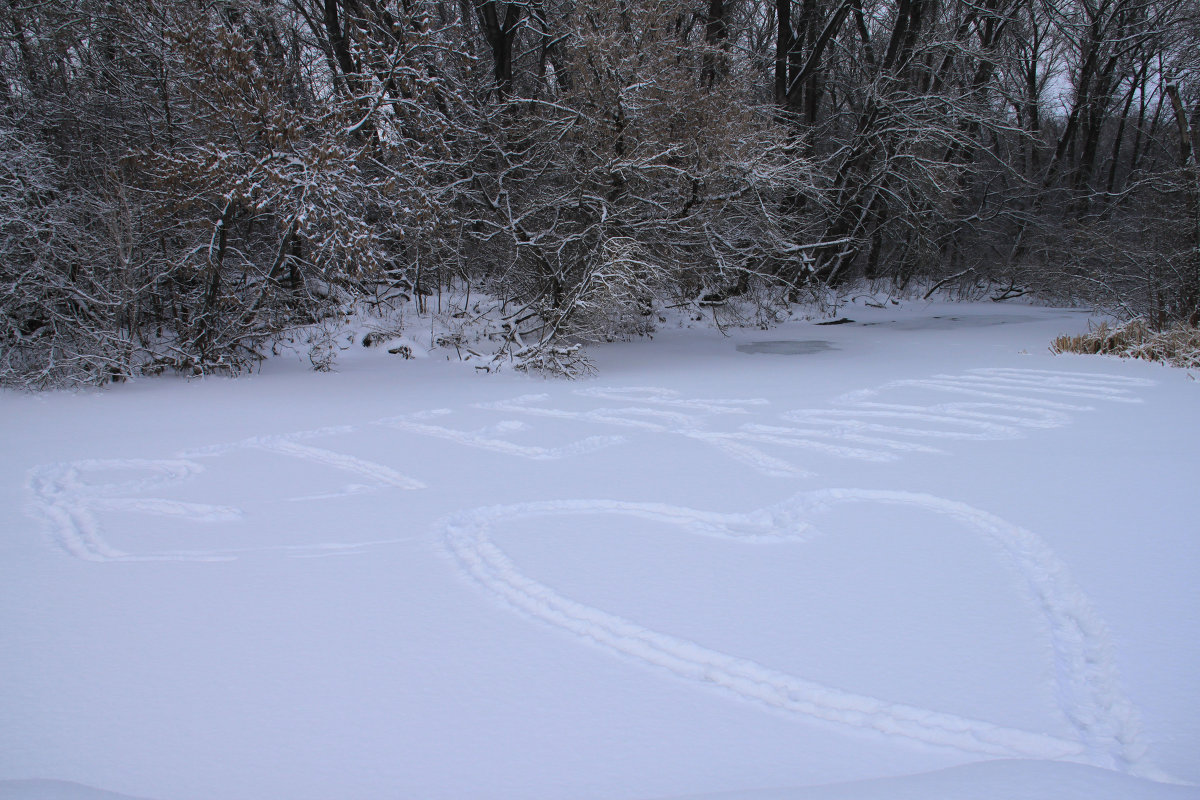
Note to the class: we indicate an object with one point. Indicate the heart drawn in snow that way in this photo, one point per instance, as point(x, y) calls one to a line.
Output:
point(1086, 676)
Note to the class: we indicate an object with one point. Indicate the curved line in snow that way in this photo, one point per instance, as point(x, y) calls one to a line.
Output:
point(1087, 685)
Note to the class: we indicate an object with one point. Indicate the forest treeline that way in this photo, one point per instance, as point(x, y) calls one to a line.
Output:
point(183, 181)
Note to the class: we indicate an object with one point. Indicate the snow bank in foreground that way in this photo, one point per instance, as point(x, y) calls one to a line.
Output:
point(56, 790)
point(988, 780)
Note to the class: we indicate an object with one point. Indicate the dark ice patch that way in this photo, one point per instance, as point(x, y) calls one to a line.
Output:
point(947, 323)
point(790, 347)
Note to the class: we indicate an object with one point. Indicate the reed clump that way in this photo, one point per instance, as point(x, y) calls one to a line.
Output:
point(1178, 345)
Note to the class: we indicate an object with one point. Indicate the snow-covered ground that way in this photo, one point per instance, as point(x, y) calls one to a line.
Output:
point(916, 556)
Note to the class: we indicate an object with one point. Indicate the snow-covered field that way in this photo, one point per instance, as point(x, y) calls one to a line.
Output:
point(916, 556)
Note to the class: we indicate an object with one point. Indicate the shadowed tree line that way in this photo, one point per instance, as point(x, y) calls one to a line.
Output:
point(182, 182)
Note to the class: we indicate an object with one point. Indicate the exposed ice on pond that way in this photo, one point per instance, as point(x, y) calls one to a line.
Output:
point(946, 322)
point(788, 347)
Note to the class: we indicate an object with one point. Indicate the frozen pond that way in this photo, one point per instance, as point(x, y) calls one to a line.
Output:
point(880, 573)
point(787, 347)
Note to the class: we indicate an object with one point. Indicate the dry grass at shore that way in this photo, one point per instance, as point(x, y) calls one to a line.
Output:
point(1178, 345)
